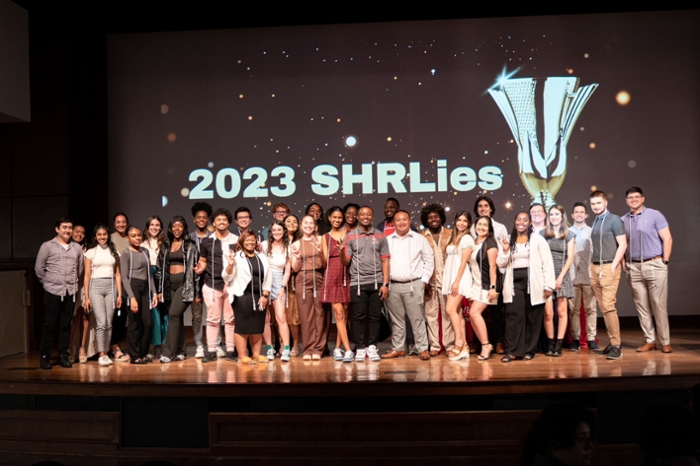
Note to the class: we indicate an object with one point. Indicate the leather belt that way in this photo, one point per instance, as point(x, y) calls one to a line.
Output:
point(655, 258)
point(601, 262)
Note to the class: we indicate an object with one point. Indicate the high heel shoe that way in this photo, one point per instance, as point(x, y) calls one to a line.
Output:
point(463, 354)
point(488, 349)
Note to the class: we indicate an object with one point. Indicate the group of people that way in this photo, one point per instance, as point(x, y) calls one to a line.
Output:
point(472, 288)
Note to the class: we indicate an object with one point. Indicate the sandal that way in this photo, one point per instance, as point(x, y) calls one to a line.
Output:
point(246, 360)
point(119, 356)
point(528, 357)
point(455, 351)
point(138, 361)
point(263, 359)
point(508, 358)
point(294, 351)
point(82, 357)
point(488, 349)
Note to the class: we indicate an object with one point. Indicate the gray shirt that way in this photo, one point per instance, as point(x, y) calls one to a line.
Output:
point(606, 227)
point(136, 265)
point(59, 267)
point(582, 253)
point(366, 251)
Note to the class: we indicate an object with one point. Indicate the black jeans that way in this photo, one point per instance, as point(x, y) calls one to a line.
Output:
point(139, 324)
point(366, 308)
point(58, 311)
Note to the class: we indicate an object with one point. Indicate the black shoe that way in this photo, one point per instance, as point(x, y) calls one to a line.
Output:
point(529, 356)
point(614, 353)
point(557, 349)
point(550, 349)
point(230, 356)
point(147, 360)
point(45, 362)
point(575, 346)
point(603, 352)
point(64, 361)
point(139, 361)
point(209, 356)
point(592, 345)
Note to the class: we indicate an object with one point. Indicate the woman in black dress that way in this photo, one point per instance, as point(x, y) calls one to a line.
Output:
point(249, 281)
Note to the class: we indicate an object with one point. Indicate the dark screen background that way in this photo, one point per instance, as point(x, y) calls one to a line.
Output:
point(407, 92)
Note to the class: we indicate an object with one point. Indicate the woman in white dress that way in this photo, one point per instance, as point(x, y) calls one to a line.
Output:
point(457, 281)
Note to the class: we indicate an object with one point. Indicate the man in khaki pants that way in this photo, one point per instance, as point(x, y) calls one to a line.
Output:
point(608, 245)
point(646, 267)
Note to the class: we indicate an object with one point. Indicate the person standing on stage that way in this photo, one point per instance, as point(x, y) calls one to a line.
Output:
point(276, 248)
point(457, 281)
point(484, 207)
point(581, 281)
point(177, 285)
point(103, 287)
point(411, 267)
point(210, 266)
point(140, 292)
point(59, 266)
point(316, 211)
point(308, 262)
point(201, 211)
point(608, 243)
point(336, 283)
point(291, 223)
point(154, 239)
point(248, 281)
point(646, 268)
point(528, 283)
point(485, 280)
point(366, 252)
point(433, 219)
point(561, 244)
point(121, 243)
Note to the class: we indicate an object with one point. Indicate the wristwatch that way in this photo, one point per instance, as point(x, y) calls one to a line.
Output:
point(385, 284)
point(266, 296)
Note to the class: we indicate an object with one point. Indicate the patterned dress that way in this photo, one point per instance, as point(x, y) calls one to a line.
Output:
point(336, 282)
point(559, 251)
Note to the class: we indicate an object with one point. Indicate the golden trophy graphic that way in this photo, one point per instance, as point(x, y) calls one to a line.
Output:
point(542, 170)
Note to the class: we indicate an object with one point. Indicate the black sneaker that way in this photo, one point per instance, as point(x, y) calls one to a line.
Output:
point(209, 356)
point(614, 353)
point(231, 356)
point(575, 346)
point(64, 361)
point(45, 362)
point(592, 345)
point(603, 352)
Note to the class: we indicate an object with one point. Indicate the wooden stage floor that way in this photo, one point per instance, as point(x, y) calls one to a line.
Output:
point(574, 372)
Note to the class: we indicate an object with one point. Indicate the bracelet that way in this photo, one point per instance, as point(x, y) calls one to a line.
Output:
point(266, 296)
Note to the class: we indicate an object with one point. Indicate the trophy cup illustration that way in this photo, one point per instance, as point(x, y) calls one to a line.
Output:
point(542, 167)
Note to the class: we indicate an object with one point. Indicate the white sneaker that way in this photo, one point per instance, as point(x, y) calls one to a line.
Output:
point(361, 355)
point(373, 353)
point(180, 357)
point(104, 361)
point(164, 360)
point(316, 357)
point(349, 356)
point(200, 352)
point(270, 353)
point(285, 355)
point(338, 354)
point(220, 353)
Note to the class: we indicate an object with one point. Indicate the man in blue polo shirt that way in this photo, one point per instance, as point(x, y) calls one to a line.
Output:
point(646, 267)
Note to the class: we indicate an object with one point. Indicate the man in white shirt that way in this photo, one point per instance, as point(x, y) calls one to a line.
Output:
point(580, 279)
point(411, 266)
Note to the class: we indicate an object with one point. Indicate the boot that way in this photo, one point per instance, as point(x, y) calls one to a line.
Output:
point(557, 349)
point(550, 349)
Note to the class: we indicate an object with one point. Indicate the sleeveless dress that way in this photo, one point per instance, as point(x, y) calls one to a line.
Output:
point(558, 246)
point(480, 270)
point(453, 259)
point(336, 281)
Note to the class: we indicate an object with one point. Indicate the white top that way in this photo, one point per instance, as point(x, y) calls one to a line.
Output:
point(102, 262)
point(278, 259)
point(411, 257)
point(452, 263)
point(521, 255)
point(151, 245)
